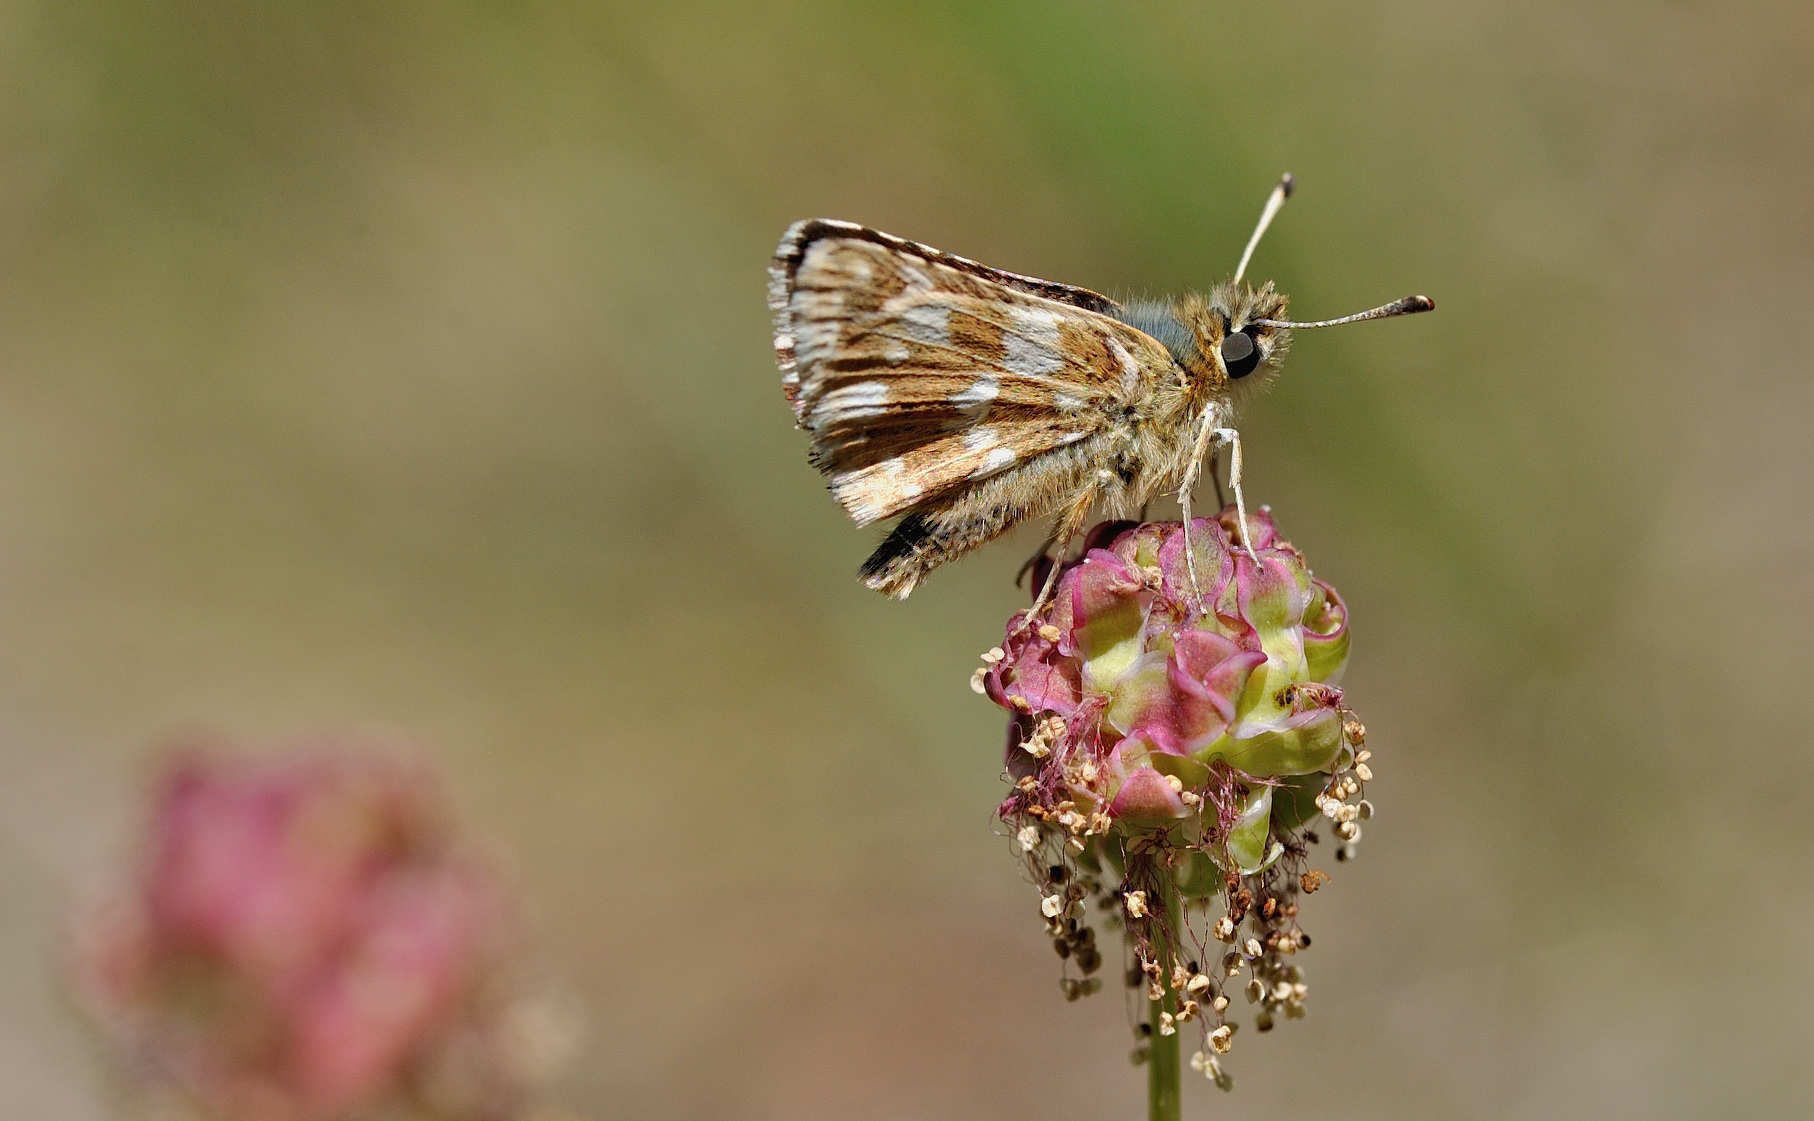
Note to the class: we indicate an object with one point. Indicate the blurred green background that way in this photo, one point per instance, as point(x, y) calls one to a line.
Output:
point(405, 366)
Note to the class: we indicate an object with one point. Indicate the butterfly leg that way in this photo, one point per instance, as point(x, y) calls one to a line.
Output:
point(1233, 439)
point(1185, 489)
point(1066, 531)
point(1032, 562)
point(1190, 554)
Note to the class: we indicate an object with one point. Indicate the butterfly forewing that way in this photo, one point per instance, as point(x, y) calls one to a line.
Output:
point(919, 374)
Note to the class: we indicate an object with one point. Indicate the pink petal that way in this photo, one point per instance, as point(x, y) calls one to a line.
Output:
point(1214, 565)
point(1146, 798)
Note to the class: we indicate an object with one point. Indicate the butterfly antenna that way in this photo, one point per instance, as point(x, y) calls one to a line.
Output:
point(1410, 305)
point(1273, 202)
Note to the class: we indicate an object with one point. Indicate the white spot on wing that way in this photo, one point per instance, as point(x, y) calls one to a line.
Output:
point(980, 392)
point(863, 394)
point(997, 459)
point(927, 323)
point(1130, 370)
point(852, 402)
point(1032, 344)
point(985, 441)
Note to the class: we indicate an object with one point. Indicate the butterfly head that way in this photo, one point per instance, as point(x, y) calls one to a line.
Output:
point(1230, 347)
point(1235, 338)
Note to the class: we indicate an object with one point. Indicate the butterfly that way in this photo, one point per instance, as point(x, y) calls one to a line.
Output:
point(964, 399)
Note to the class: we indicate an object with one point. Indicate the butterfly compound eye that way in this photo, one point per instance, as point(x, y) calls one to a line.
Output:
point(1240, 355)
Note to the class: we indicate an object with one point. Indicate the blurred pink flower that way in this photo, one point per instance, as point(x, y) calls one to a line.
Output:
point(303, 940)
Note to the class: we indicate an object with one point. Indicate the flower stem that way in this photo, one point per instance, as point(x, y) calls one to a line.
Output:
point(1162, 1068)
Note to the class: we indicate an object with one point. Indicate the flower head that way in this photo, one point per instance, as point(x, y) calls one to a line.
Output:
point(1176, 725)
point(304, 941)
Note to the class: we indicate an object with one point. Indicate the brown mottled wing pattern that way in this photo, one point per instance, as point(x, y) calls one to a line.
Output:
point(801, 235)
point(919, 374)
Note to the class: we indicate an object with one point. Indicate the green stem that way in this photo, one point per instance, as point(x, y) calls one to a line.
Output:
point(1162, 1069)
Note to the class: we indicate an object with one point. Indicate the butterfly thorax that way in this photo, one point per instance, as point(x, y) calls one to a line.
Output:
point(1193, 325)
point(1199, 387)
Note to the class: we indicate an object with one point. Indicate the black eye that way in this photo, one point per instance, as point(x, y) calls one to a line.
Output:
point(1240, 354)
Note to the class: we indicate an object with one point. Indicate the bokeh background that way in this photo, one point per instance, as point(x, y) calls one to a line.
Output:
point(404, 366)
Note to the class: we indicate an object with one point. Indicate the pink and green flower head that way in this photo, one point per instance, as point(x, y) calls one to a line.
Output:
point(1176, 713)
